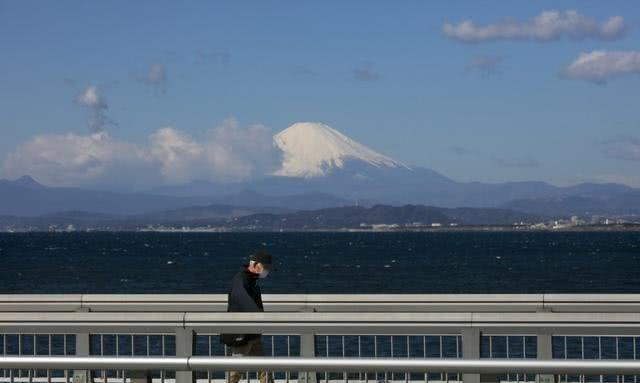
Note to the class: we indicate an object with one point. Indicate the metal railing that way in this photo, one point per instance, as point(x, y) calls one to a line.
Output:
point(453, 328)
point(328, 364)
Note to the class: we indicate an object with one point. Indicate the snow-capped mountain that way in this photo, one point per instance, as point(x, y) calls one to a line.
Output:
point(311, 149)
point(316, 158)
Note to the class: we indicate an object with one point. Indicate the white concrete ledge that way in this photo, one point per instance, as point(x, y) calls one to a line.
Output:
point(326, 302)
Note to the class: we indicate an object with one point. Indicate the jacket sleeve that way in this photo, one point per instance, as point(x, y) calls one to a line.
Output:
point(241, 297)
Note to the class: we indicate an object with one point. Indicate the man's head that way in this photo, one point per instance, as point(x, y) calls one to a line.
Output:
point(260, 263)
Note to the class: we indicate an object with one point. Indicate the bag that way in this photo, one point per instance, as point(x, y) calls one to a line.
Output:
point(234, 340)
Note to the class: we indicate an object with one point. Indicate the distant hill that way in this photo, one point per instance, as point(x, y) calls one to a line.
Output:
point(266, 218)
point(353, 217)
point(214, 215)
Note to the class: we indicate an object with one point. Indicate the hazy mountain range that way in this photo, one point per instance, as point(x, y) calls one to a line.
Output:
point(321, 168)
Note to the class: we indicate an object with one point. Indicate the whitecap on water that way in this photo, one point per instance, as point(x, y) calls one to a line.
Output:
point(387, 266)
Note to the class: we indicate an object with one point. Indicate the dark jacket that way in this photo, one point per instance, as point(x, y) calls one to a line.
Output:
point(244, 295)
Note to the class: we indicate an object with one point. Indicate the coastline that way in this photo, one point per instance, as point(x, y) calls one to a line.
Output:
point(456, 229)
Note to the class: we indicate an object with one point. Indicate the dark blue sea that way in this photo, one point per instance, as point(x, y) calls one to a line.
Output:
point(435, 262)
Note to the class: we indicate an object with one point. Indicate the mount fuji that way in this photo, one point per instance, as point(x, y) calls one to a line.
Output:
point(320, 168)
point(314, 150)
point(316, 158)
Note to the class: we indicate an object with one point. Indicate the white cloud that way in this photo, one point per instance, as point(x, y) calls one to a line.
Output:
point(228, 152)
point(96, 104)
point(178, 156)
point(91, 98)
point(71, 159)
point(547, 26)
point(598, 66)
point(242, 151)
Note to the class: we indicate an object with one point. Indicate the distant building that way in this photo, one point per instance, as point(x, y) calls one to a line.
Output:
point(384, 226)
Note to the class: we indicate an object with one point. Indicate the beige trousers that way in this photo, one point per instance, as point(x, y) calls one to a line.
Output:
point(253, 348)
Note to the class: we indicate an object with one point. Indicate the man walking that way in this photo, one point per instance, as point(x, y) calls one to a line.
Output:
point(245, 296)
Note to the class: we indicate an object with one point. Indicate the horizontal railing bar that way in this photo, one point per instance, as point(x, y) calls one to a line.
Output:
point(321, 323)
point(84, 362)
point(486, 366)
point(326, 302)
point(343, 319)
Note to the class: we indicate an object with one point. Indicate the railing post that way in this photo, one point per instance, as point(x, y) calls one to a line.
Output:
point(545, 352)
point(184, 348)
point(307, 349)
point(471, 350)
point(82, 349)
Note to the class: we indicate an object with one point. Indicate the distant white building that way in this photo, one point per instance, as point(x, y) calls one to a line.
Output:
point(384, 226)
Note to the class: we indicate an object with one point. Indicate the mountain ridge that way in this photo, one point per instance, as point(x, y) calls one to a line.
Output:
point(268, 219)
point(324, 168)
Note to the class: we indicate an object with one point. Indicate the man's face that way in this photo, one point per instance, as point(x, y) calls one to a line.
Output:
point(260, 267)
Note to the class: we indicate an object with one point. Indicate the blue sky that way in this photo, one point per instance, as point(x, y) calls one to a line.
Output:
point(501, 108)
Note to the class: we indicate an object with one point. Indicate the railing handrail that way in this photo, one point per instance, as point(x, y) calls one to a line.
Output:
point(291, 364)
point(325, 302)
point(322, 323)
point(467, 316)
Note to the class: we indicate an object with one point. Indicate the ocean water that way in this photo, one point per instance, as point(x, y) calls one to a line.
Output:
point(461, 262)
